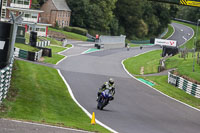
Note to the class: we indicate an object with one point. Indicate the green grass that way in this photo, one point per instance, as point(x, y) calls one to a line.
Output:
point(190, 43)
point(169, 33)
point(68, 46)
point(26, 47)
point(184, 67)
point(70, 35)
point(55, 57)
point(39, 94)
point(149, 61)
point(134, 45)
point(52, 40)
point(170, 90)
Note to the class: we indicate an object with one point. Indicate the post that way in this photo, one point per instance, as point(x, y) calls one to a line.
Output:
point(195, 43)
point(193, 60)
point(15, 21)
point(197, 33)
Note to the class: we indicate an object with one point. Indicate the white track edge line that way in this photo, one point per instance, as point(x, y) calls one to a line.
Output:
point(88, 114)
point(38, 124)
point(173, 31)
point(64, 55)
point(154, 88)
point(189, 38)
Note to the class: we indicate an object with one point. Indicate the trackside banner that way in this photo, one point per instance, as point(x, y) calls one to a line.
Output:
point(164, 42)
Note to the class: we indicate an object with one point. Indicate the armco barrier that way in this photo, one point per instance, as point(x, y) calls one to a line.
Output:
point(5, 78)
point(187, 86)
point(33, 56)
point(43, 43)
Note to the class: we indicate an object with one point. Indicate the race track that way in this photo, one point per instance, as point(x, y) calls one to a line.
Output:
point(137, 108)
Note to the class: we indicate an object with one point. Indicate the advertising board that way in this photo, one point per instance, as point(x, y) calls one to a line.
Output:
point(164, 42)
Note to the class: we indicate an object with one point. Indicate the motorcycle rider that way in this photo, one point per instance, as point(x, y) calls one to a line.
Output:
point(107, 85)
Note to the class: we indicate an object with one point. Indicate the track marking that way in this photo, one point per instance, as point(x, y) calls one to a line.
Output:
point(184, 38)
point(60, 53)
point(191, 36)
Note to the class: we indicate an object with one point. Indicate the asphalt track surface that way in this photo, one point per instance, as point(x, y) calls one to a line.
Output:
point(137, 108)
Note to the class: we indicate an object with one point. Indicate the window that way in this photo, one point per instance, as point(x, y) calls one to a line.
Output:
point(4, 2)
point(3, 13)
point(27, 15)
point(20, 2)
point(42, 29)
point(26, 2)
point(34, 16)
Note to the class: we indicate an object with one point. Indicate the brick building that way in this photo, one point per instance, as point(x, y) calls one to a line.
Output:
point(56, 11)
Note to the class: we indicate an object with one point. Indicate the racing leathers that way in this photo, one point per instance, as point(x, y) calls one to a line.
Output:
point(109, 86)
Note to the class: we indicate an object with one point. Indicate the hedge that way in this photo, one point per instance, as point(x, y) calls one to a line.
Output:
point(76, 30)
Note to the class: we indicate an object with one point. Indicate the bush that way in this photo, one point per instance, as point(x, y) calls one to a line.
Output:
point(76, 30)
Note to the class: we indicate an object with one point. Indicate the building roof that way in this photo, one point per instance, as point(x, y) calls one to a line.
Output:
point(38, 24)
point(61, 5)
point(24, 9)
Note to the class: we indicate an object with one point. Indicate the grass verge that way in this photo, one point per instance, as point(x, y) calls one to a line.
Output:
point(169, 33)
point(52, 40)
point(39, 94)
point(184, 67)
point(149, 61)
point(135, 45)
point(70, 35)
point(26, 47)
point(170, 90)
point(55, 56)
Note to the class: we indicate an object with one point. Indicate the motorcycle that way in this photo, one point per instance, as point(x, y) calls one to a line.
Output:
point(104, 99)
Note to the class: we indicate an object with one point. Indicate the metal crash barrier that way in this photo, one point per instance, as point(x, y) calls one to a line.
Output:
point(110, 42)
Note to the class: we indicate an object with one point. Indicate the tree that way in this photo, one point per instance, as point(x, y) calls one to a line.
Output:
point(173, 10)
point(92, 14)
point(129, 14)
point(134, 18)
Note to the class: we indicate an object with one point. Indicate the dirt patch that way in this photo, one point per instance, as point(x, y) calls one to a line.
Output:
point(142, 71)
point(3, 108)
point(187, 78)
point(41, 59)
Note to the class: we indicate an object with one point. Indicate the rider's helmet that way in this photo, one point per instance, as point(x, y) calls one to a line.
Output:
point(111, 81)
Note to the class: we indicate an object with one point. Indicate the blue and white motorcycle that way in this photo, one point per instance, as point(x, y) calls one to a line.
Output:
point(104, 99)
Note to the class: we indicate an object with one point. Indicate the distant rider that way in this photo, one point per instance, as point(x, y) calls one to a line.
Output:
point(107, 85)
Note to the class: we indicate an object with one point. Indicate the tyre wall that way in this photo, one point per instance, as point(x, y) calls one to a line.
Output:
point(27, 55)
point(185, 85)
point(5, 78)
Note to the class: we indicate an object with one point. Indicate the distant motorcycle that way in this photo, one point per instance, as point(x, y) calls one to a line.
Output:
point(104, 99)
